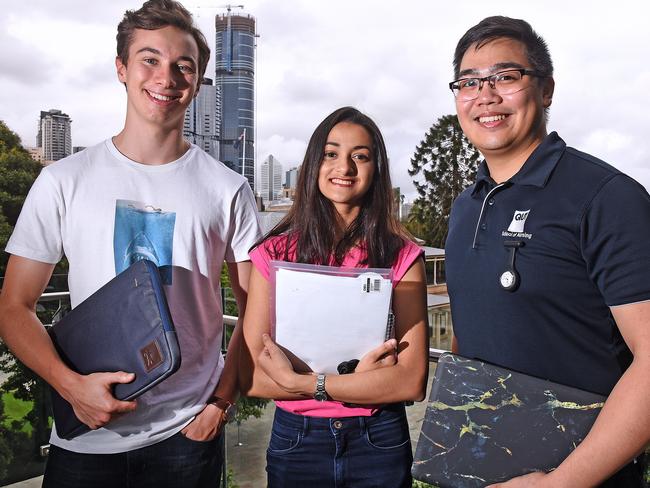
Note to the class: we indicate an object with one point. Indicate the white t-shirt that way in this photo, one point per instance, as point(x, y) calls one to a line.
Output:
point(104, 211)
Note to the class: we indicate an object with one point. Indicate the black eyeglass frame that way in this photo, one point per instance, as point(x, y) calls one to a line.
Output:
point(491, 79)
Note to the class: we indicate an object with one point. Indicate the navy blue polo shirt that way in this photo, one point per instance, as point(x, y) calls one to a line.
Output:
point(585, 229)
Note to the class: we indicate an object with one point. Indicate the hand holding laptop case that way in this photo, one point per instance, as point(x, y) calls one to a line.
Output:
point(486, 424)
point(123, 326)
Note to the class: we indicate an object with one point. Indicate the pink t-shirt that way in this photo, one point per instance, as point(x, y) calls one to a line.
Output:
point(261, 257)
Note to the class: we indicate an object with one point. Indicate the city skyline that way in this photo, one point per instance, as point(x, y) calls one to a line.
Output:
point(392, 63)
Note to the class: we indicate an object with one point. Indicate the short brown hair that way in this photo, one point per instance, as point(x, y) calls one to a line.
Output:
point(156, 14)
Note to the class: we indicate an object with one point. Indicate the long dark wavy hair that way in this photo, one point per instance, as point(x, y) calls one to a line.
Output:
point(311, 224)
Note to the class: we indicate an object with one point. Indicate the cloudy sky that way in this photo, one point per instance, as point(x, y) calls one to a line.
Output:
point(390, 59)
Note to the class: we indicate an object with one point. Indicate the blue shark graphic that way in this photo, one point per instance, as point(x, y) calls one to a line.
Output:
point(143, 231)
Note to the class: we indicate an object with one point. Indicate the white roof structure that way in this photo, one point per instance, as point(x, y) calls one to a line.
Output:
point(433, 252)
point(437, 300)
point(268, 220)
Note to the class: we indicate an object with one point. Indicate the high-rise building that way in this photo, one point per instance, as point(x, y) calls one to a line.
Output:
point(271, 180)
point(54, 135)
point(398, 199)
point(234, 79)
point(291, 177)
point(405, 211)
point(201, 120)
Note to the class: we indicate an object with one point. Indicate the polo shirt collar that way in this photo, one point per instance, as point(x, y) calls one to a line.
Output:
point(537, 169)
point(483, 178)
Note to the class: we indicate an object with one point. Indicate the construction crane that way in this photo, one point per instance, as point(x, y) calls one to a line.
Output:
point(229, 7)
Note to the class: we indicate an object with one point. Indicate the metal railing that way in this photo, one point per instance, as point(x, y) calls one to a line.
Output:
point(40, 451)
point(434, 354)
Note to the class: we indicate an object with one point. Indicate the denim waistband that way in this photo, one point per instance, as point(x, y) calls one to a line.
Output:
point(304, 422)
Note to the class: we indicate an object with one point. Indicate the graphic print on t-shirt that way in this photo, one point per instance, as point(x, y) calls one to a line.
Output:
point(143, 231)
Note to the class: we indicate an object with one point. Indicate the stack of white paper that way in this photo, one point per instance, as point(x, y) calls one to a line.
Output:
point(325, 319)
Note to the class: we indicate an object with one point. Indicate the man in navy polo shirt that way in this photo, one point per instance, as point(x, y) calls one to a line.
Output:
point(548, 254)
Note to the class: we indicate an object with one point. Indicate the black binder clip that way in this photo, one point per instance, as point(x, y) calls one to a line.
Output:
point(347, 367)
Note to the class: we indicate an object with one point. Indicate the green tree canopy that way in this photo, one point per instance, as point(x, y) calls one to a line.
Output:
point(8, 138)
point(443, 165)
point(17, 173)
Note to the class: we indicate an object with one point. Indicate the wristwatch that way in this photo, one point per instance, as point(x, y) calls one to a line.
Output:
point(229, 408)
point(320, 394)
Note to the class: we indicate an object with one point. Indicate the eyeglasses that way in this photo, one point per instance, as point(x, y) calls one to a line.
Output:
point(504, 82)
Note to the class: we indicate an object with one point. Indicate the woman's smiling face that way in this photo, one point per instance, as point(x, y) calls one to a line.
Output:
point(347, 168)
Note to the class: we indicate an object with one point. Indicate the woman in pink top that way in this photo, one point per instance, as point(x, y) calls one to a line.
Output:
point(348, 429)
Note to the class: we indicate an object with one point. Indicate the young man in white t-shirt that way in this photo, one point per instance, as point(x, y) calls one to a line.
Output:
point(144, 193)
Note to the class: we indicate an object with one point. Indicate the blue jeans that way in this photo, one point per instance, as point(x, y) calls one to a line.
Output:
point(356, 452)
point(172, 463)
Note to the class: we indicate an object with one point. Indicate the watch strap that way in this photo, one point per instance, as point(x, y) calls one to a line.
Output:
point(228, 407)
point(320, 394)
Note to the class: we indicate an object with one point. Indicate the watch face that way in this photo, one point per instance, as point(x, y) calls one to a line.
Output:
point(320, 396)
point(507, 279)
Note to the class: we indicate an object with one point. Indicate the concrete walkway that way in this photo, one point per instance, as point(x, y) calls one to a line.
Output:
point(246, 449)
point(31, 483)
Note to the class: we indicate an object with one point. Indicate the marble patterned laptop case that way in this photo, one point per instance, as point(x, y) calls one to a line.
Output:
point(486, 424)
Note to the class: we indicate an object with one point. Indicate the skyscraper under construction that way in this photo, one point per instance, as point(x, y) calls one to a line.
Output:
point(235, 82)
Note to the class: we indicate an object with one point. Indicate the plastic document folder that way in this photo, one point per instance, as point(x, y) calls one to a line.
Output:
point(486, 424)
point(326, 315)
point(123, 326)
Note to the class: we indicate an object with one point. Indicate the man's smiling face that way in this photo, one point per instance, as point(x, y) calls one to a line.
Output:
point(503, 126)
point(161, 76)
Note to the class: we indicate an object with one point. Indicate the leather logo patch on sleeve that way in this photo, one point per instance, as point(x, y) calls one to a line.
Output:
point(151, 356)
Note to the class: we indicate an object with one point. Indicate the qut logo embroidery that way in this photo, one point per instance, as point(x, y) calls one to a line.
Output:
point(518, 221)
